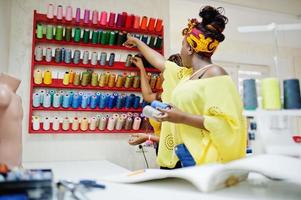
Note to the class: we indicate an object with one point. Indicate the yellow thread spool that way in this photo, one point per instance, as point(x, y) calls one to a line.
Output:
point(71, 76)
point(136, 82)
point(66, 78)
point(119, 81)
point(38, 77)
point(112, 80)
point(271, 94)
point(128, 81)
point(85, 79)
point(84, 124)
point(107, 78)
point(47, 77)
point(76, 80)
point(102, 80)
point(94, 81)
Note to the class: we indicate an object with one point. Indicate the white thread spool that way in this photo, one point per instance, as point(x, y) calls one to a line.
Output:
point(150, 112)
point(86, 57)
point(48, 54)
point(103, 123)
point(47, 100)
point(38, 53)
point(111, 123)
point(94, 58)
point(92, 125)
point(46, 123)
point(75, 124)
point(66, 124)
point(137, 123)
point(120, 123)
point(55, 124)
point(36, 123)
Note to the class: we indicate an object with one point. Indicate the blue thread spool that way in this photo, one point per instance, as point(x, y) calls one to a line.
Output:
point(56, 100)
point(58, 55)
point(68, 54)
point(76, 101)
point(62, 93)
point(136, 102)
point(120, 102)
point(76, 56)
point(111, 59)
point(249, 94)
point(93, 102)
point(129, 101)
point(42, 92)
point(137, 36)
point(111, 102)
point(291, 94)
point(36, 98)
point(102, 101)
point(47, 100)
point(51, 92)
point(80, 94)
point(158, 104)
point(63, 54)
point(144, 39)
point(98, 94)
point(84, 103)
point(71, 93)
point(144, 103)
point(66, 101)
point(103, 59)
point(107, 100)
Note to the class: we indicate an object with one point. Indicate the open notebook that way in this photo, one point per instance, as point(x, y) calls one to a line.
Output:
point(212, 177)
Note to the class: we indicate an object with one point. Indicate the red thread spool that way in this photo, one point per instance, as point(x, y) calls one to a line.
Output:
point(158, 25)
point(143, 25)
point(128, 21)
point(112, 19)
point(151, 24)
point(137, 22)
point(123, 18)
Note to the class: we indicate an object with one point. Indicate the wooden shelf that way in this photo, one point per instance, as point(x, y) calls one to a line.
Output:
point(88, 109)
point(42, 18)
point(117, 66)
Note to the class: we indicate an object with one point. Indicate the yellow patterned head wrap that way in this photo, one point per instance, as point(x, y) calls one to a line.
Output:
point(198, 41)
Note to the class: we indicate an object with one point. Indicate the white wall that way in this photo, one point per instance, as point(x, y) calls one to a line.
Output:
point(4, 34)
point(71, 147)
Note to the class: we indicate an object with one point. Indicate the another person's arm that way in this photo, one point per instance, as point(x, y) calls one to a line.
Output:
point(140, 138)
point(147, 93)
point(152, 56)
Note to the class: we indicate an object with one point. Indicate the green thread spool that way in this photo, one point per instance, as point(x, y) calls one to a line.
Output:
point(119, 38)
point(39, 30)
point(151, 43)
point(49, 32)
point(85, 79)
point(86, 36)
point(159, 42)
point(105, 37)
point(77, 34)
point(51, 92)
point(76, 79)
point(95, 37)
point(59, 33)
point(112, 38)
point(94, 81)
point(68, 33)
point(99, 36)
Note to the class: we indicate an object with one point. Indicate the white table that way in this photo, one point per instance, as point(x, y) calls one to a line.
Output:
point(256, 187)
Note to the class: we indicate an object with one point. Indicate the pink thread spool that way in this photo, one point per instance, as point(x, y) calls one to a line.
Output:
point(137, 22)
point(103, 18)
point(50, 11)
point(137, 122)
point(77, 15)
point(94, 17)
point(59, 12)
point(119, 20)
point(112, 19)
point(69, 13)
point(87, 16)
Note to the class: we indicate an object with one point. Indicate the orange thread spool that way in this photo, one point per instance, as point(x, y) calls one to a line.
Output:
point(151, 24)
point(120, 81)
point(143, 25)
point(159, 83)
point(159, 26)
point(112, 78)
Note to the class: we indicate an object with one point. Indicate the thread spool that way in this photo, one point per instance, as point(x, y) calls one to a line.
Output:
point(102, 123)
point(49, 32)
point(271, 94)
point(36, 123)
point(92, 125)
point(136, 102)
point(67, 58)
point(111, 59)
point(38, 53)
point(85, 79)
point(103, 59)
point(63, 54)
point(94, 81)
point(76, 56)
point(129, 21)
point(159, 82)
point(128, 61)
point(144, 39)
point(93, 102)
point(46, 100)
point(111, 123)
point(55, 123)
point(36, 98)
point(76, 80)
point(153, 80)
point(112, 39)
point(128, 81)
point(291, 94)
point(69, 13)
point(46, 123)
point(159, 42)
point(128, 123)
point(77, 15)
point(66, 124)
point(112, 78)
point(75, 124)
point(129, 101)
point(59, 33)
point(103, 18)
point(112, 102)
point(71, 93)
point(48, 54)
point(50, 11)
point(150, 112)
point(120, 102)
point(137, 123)
point(84, 103)
point(121, 38)
point(94, 17)
point(37, 77)
point(66, 78)
point(86, 57)
point(86, 16)
point(47, 77)
point(75, 101)
point(84, 124)
point(136, 82)
point(58, 55)
point(120, 123)
point(159, 26)
point(151, 24)
point(42, 92)
point(119, 20)
point(95, 35)
point(86, 36)
point(39, 30)
point(59, 12)
point(72, 74)
point(112, 19)
point(56, 100)
point(105, 37)
point(77, 34)
point(143, 25)
point(66, 101)
point(158, 104)
point(119, 81)
point(249, 94)
point(94, 58)
point(102, 80)
point(136, 22)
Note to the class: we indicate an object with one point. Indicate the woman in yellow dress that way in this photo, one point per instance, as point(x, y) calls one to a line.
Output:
point(205, 123)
